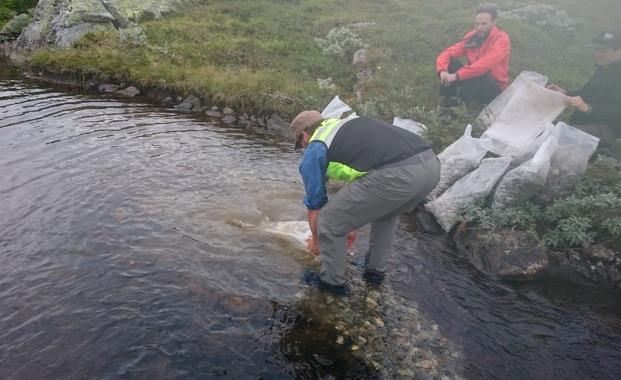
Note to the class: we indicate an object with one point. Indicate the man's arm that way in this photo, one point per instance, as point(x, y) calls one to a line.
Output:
point(599, 113)
point(313, 169)
point(443, 61)
point(501, 49)
point(313, 243)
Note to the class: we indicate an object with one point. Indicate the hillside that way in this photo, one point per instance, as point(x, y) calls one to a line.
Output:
point(266, 54)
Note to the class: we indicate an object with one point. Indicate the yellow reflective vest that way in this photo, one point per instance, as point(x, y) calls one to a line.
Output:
point(325, 133)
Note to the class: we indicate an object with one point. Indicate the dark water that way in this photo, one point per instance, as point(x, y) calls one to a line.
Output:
point(121, 256)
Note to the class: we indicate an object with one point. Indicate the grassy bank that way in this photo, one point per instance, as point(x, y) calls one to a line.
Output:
point(264, 53)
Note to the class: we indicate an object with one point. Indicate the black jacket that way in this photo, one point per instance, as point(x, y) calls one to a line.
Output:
point(365, 144)
point(603, 93)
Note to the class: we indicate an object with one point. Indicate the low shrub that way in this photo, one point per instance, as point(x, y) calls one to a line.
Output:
point(13, 28)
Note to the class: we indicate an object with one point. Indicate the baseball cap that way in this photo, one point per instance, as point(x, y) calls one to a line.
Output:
point(607, 39)
point(302, 122)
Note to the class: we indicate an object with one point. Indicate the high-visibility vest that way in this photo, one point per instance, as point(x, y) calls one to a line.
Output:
point(325, 133)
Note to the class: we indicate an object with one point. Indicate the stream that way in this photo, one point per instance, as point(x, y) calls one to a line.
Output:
point(130, 248)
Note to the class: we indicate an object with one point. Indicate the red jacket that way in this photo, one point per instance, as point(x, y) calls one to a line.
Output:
point(493, 57)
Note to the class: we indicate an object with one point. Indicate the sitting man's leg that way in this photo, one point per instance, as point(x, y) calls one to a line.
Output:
point(449, 93)
point(481, 90)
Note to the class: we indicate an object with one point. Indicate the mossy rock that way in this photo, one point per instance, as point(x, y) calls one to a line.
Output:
point(59, 23)
point(505, 254)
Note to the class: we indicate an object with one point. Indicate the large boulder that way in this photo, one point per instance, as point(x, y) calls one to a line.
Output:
point(59, 23)
point(595, 265)
point(505, 254)
point(519, 255)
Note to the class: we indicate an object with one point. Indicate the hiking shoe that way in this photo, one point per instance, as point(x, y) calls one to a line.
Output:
point(313, 279)
point(373, 277)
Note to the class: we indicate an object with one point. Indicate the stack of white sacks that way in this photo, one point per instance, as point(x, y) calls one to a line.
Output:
point(533, 156)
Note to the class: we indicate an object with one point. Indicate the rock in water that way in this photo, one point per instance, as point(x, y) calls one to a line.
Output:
point(505, 254)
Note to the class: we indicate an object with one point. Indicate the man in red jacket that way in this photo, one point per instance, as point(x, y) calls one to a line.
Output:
point(486, 73)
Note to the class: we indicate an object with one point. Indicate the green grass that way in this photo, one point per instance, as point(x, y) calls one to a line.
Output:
point(253, 54)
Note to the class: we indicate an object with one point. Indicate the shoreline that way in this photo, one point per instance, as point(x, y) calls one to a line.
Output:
point(259, 120)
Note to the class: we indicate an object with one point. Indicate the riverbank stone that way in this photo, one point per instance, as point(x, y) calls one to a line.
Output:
point(595, 265)
point(214, 114)
point(130, 91)
point(193, 100)
point(505, 254)
point(108, 87)
point(229, 119)
point(183, 107)
point(278, 126)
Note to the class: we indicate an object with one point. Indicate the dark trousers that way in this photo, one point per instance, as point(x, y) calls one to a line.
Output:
point(481, 89)
point(606, 135)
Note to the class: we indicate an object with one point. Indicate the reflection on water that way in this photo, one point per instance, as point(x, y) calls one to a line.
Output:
point(125, 253)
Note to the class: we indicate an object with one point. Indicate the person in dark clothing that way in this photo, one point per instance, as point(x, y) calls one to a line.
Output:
point(389, 170)
point(487, 51)
point(598, 103)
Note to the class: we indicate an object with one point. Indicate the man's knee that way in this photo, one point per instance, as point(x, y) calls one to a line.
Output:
point(454, 65)
point(330, 223)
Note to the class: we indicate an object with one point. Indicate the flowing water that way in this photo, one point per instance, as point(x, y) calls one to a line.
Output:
point(128, 250)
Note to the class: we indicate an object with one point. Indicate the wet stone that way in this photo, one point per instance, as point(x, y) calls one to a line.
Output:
point(214, 114)
point(193, 100)
point(107, 87)
point(130, 91)
point(184, 107)
point(229, 119)
point(322, 360)
point(374, 294)
point(371, 302)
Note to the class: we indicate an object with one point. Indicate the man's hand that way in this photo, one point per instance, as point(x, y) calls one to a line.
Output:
point(447, 78)
point(578, 103)
point(312, 246)
point(556, 88)
point(443, 77)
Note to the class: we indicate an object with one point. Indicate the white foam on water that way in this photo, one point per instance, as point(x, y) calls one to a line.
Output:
point(294, 231)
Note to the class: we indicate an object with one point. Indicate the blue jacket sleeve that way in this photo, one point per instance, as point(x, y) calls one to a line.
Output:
point(313, 169)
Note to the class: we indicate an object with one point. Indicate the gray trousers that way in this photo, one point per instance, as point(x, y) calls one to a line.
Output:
point(378, 198)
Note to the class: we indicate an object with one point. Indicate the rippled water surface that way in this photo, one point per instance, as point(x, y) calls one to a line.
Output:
point(128, 250)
